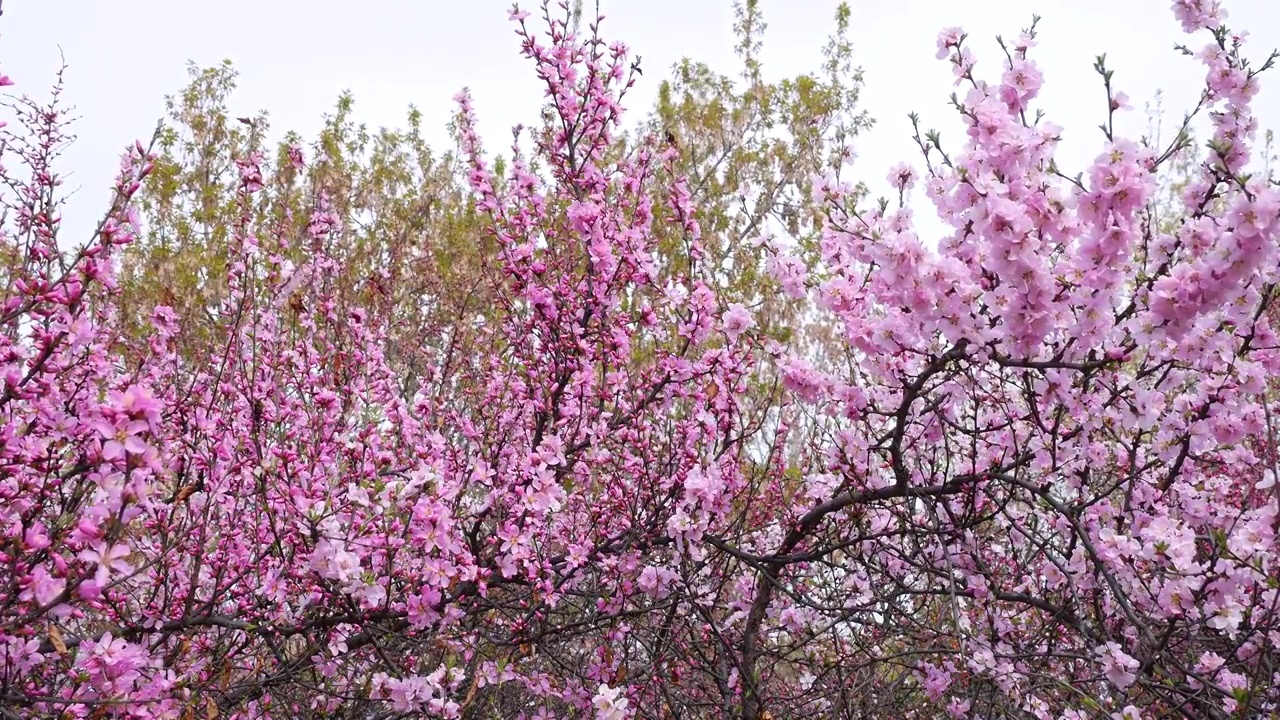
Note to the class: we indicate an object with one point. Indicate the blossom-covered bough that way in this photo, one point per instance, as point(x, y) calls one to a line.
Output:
point(1035, 479)
point(1049, 490)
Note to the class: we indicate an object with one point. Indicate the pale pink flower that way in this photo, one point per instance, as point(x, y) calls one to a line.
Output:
point(1117, 665)
point(737, 320)
point(610, 703)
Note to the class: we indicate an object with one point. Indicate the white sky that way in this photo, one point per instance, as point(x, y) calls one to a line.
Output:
point(294, 58)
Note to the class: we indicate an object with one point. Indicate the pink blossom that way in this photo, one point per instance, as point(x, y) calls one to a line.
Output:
point(1198, 14)
point(113, 666)
point(790, 272)
point(656, 581)
point(737, 320)
point(934, 679)
point(108, 559)
point(610, 703)
point(44, 588)
point(1116, 665)
point(948, 39)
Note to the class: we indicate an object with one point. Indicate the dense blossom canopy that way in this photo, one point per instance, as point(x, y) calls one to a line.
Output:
point(1027, 470)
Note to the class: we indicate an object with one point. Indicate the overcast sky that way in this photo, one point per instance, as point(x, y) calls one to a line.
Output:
point(295, 56)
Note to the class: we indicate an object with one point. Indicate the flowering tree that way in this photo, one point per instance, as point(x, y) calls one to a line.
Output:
point(1036, 475)
point(1049, 488)
point(748, 146)
point(269, 528)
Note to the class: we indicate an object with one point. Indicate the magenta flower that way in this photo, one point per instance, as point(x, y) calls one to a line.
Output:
point(121, 439)
point(109, 559)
